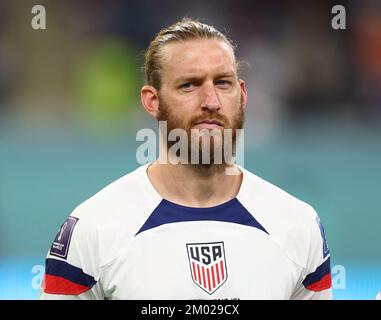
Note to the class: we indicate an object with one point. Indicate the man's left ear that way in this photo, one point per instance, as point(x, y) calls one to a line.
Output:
point(243, 93)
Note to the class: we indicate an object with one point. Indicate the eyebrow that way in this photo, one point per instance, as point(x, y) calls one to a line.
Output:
point(195, 78)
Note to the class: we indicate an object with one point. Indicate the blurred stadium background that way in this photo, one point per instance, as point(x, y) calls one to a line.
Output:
point(70, 110)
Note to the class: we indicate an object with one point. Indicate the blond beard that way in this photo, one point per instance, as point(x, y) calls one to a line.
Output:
point(166, 114)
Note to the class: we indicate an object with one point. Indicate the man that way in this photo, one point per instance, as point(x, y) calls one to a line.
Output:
point(188, 229)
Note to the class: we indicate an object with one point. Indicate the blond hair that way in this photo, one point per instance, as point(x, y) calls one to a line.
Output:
point(185, 29)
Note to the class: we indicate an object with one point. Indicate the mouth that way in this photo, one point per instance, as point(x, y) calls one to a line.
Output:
point(209, 124)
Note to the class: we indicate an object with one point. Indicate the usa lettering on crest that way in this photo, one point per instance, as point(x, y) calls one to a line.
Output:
point(208, 265)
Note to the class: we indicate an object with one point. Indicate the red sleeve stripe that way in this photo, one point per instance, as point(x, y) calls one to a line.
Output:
point(64, 278)
point(323, 284)
point(58, 285)
point(320, 279)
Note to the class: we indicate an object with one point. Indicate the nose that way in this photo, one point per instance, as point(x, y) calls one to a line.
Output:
point(210, 99)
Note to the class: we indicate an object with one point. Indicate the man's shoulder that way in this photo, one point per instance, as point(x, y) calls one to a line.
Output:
point(266, 194)
point(288, 220)
point(111, 215)
point(117, 200)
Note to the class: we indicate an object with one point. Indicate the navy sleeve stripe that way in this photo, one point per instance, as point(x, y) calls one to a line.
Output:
point(323, 270)
point(67, 271)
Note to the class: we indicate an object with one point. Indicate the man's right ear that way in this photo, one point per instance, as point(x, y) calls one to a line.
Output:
point(150, 100)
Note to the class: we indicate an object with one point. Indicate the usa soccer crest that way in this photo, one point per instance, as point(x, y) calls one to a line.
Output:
point(208, 265)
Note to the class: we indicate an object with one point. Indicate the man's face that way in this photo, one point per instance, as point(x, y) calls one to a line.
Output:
point(200, 87)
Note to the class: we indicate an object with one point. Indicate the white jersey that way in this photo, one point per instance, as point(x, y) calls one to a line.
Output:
point(126, 242)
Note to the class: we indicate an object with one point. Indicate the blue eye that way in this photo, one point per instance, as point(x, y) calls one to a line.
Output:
point(223, 83)
point(188, 86)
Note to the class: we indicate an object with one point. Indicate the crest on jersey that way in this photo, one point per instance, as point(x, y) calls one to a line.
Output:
point(208, 265)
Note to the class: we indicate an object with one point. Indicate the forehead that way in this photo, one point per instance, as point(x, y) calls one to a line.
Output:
point(197, 57)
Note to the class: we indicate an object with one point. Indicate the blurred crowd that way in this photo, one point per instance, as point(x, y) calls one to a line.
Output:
point(87, 64)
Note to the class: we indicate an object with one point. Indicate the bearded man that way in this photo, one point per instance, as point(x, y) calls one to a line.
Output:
point(196, 226)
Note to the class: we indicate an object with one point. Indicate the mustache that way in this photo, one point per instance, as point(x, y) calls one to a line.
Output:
point(217, 118)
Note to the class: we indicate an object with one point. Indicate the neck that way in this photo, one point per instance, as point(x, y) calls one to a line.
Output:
point(194, 185)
